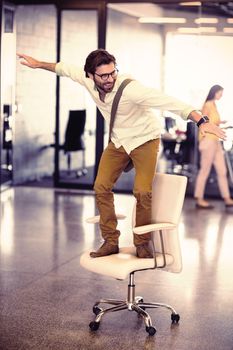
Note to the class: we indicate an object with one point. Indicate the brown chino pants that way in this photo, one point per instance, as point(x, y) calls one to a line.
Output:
point(112, 163)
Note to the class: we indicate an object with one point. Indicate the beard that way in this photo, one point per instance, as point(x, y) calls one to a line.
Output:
point(105, 86)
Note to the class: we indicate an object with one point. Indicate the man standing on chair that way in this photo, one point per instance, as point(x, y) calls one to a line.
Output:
point(135, 136)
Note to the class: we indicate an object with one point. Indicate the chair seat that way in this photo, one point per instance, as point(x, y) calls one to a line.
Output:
point(122, 264)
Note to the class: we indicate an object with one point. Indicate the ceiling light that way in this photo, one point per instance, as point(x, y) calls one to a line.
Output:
point(206, 20)
point(186, 30)
point(162, 20)
point(191, 3)
point(229, 20)
point(228, 30)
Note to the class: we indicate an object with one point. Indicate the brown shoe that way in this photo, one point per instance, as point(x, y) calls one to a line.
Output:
point(203, 204)
point(106, 249)
point(143, 251)
point(200, 206)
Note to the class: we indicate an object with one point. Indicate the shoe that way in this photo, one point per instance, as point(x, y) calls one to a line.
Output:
point(143, 251)
point(228, 202)
point(229, 205)
point(200, 206)
point(106, 249)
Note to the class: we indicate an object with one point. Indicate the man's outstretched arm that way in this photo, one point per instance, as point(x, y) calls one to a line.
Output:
point(33, 63)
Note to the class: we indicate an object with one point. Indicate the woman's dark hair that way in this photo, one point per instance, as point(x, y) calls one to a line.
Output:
point(212, 92)
point(97, 58)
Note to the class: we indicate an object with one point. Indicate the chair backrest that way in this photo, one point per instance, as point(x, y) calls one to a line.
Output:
point(168, 195)
point(74, 131)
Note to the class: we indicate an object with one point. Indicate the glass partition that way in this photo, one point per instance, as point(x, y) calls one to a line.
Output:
point(77, 124)
point(137, 35)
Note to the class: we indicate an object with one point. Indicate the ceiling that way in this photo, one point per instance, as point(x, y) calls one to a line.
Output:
point(148, 8)
point(213, 8)
point(139, 9)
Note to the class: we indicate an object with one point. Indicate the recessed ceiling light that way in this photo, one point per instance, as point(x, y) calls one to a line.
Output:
point(162, 20)
point(228, 30)
point(191, 30)
point(191, 3)
point(206, 20)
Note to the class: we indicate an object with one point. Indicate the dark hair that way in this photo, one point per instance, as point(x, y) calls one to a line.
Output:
point(97, 58)
point(213, 91)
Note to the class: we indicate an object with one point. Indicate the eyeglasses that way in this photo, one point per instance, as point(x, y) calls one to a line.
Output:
point(105, 76)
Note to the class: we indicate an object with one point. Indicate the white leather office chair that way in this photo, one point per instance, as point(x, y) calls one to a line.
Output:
point(167, 202)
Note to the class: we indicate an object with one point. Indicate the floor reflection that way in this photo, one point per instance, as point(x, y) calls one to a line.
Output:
point(42, 286)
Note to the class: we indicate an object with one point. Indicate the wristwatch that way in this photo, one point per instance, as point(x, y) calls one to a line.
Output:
point(204, 119)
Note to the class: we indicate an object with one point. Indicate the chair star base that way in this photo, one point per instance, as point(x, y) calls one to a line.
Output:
point(132, 303)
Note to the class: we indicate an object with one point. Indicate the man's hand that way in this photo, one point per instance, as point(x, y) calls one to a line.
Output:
point(29, 61)
point(33, 63)
point(212, 129)
point(207, 127)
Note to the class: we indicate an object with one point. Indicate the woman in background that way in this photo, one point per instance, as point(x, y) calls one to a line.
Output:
point(211, 153)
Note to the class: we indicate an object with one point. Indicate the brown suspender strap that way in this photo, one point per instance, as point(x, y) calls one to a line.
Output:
point(115, 104)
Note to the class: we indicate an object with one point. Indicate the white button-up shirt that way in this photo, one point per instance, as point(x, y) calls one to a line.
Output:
point(135, 121)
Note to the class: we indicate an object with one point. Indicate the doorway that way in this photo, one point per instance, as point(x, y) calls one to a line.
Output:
point(76, 126)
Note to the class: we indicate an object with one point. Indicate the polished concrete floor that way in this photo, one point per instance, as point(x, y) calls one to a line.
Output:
point(46, 298)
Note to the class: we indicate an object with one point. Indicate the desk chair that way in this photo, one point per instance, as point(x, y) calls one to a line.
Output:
point(181, 151)
point(167, 202)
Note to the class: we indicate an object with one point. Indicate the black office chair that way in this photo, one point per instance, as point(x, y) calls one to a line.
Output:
point(74, 138)
point(181, 149)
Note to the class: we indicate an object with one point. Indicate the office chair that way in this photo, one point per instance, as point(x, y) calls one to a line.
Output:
point(167, 201)
point(74, 138)
point(180, 149)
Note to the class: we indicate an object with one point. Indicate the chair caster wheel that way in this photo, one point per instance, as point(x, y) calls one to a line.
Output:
point(175, 318)
point(96, 310)
point(151, 330)
point(94, 326)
